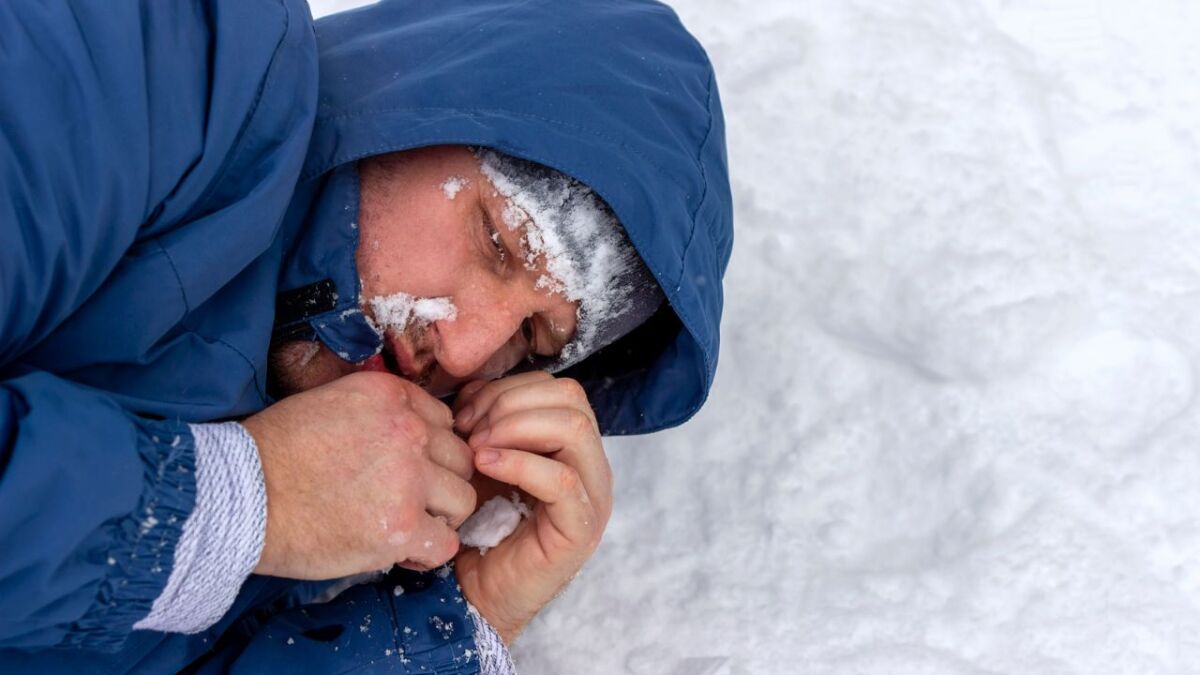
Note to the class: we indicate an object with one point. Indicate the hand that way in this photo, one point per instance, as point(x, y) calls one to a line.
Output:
point(538, 433)
point(361, 473)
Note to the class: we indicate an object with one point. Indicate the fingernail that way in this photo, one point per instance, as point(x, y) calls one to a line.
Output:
point(473, 387)
point(486, 456)
point(466, 415)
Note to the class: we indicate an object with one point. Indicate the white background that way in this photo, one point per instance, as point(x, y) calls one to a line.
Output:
point(954, 428)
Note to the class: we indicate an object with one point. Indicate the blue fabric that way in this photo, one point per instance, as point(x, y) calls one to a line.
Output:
point(407, 623)
point(167, 168)
point(638, 120)
point(148, 152)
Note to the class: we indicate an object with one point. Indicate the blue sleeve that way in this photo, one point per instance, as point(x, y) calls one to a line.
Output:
point(408, 622)
point(119, 123)
point(79, 160)
point(122, 121)
point(92, 502)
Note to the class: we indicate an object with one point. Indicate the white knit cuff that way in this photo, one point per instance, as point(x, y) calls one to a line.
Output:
point(494, 658)
point(222, 538)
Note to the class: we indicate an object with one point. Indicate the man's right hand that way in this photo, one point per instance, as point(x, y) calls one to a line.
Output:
point(361, 473)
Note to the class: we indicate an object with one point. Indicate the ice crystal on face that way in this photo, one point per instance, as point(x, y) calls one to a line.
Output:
point(561, 218)
point(453, 185)
point(397, 310)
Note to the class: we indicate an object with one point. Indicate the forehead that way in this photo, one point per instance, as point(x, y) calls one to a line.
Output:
point(436, 163)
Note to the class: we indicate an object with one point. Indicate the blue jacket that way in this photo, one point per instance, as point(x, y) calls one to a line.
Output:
point(167, 169)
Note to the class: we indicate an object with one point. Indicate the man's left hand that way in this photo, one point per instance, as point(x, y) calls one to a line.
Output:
point(539, 433)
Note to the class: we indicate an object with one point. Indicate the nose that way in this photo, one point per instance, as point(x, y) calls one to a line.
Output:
point(482, 341)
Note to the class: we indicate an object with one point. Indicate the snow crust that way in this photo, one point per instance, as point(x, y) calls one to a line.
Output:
point(396, 311)
point(955, 426)
point(453, 185)
point(492, 522)
point(580, 241)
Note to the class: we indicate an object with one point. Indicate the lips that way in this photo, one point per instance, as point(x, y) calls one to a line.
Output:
point(374, 364)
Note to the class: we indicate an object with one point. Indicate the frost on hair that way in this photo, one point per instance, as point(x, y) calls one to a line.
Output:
point(577, 236)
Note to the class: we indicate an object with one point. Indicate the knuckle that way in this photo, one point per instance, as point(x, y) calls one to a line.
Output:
point(568, 481)
point(386, 387)
point(466, 464)
point(451, 547)
point(572, 389)
point(405, 519)
point(446, 414)
point(579, 423)
point(411, 430)
point(467, 504)
point(502, 406)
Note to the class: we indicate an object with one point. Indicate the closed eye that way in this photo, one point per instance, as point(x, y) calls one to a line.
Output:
point(493, 235)
point(530, 334)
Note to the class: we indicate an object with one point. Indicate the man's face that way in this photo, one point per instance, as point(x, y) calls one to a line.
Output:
point(431, 225)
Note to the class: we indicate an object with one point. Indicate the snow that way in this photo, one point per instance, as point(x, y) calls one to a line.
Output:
point(492, 522)
point(397, 310)
point(453, 185)
point(579, 240)
point(955, 426)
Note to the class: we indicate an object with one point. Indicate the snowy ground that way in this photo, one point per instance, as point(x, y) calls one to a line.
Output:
point(955, 426)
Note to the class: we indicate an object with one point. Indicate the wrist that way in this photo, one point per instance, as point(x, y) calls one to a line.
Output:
point(507, 626)
point(259, 430)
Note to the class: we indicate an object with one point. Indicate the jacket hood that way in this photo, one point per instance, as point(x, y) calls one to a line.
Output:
point(617, 95)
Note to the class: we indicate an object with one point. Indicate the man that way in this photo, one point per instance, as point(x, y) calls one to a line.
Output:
point(170, 169)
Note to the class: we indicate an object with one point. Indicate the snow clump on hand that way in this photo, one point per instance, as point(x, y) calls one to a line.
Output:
point(493, 522)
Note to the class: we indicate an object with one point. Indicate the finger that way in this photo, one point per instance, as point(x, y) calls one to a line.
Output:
point(552, 393)
point(430, 409)
point(449, 451)
point(466, 394)
point(432, 543)
point(470, 413)
point(487, 487)
point(565, 431)
point(447, 495)
point(553, 483)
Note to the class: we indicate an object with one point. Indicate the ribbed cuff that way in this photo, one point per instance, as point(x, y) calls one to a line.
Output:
point(143, 543)
point(494, 658)
point(223, 537)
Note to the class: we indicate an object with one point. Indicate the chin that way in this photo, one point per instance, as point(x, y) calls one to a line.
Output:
point(294, 367)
